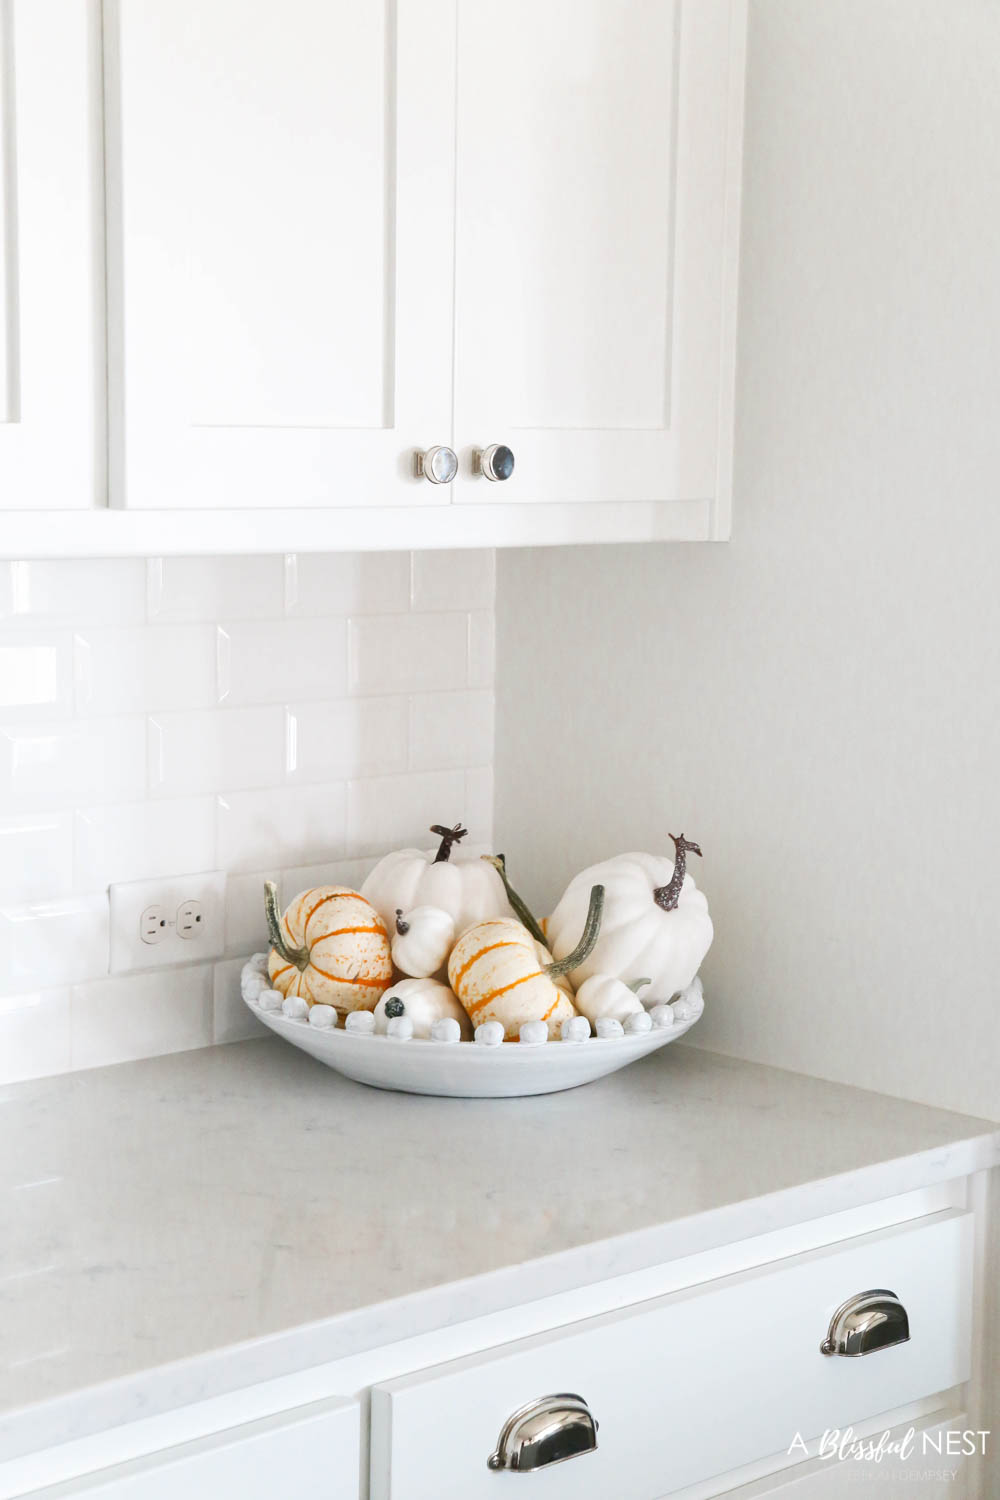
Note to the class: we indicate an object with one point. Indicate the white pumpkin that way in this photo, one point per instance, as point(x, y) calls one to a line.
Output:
point(656, 920)
point(501, 973)
point(331, 948)
point(467, 888)
point(423, 939)
point(604, 997)
point(424, 1001)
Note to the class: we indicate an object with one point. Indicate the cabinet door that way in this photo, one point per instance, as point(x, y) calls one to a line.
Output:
point(280, 249)
point(598, 154)
point(51, 262)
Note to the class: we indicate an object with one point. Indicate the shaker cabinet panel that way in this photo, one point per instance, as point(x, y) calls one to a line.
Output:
point(51, 270)
point(597, 176)
point(280, 249)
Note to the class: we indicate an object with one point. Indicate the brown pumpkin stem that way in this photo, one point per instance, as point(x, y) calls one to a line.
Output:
point(297, 956)
point(585, 946)
point(401, 927)
point(521, 910)
point(448, 837)
point(667, 896)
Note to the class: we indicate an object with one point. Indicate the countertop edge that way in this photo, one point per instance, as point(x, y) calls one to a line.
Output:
point(165, 1388)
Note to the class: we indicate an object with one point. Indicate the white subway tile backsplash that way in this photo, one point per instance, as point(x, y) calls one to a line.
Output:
point(454, 580)
point(36, 856)
point(246, 925)
point(35, 675)
point(142, 670)
point(281, 826)
point(450, 729)
point(297, 715)
point(347, 583)
point(53, 942)
point(232, 1021)
point(204, 752)
point(408, 653)
point(78, 762)
point(215, 588)
point(116, 1020)
point(390, 811)
point(482, 649)
point(272, 661)
point(34, 1034)
point(347, 737)
point(139, 840)
point(98, 591)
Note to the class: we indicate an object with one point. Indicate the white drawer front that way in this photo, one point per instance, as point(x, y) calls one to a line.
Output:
point(689, 1385)
point(311, 1453)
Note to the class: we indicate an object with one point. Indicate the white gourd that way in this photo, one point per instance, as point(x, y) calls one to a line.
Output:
point(466, 887)
point(656, 920)
point(604, 997)
point(422, 940)
point(424, 1001)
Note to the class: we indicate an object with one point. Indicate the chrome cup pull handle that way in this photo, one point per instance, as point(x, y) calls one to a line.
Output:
point(864, 1324)
point(545, 1432)
point(439, 465)
point(495, 462)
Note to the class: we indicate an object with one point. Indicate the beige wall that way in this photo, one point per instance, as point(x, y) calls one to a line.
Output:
point(818, 702)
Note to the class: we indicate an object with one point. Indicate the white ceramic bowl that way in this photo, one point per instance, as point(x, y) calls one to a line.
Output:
point(465, 1070)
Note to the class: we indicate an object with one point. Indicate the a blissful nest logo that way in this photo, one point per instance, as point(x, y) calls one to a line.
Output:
point(915, 1452)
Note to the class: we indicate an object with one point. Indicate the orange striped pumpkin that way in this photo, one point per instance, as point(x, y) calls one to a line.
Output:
point(497, 970)
point(331, 947)
point(501, 973)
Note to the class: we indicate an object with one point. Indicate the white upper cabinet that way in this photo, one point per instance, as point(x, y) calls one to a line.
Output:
point(344, 231)
point(51, 265)
point(280, 239)
point(597, 177)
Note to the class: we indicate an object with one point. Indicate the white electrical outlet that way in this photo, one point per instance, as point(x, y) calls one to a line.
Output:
point(177, 920)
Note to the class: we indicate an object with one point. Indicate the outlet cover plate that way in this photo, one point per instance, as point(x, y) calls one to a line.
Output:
point(131, 898)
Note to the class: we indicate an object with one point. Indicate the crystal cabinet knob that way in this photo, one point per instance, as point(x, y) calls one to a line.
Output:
point(495, 462)
point(544, 1432)
point(439, 465)
point(871, 1321)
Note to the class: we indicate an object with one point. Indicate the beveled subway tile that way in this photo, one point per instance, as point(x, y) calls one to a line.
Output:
point(387, 812)
point(140, 840)
point(235, 748)
point(450, 729)
point(36, 856)
point(34, 1034)
point(273, 661)
point(408, 653)
point(347, 583)
point(346, 737)
point(53, 942)
point(144, 670)
point(141, 1015)
point(454, 580)
point(282, 826)
point(36, 675)
point(215, 588)
point(80, 762)
point(80, 591)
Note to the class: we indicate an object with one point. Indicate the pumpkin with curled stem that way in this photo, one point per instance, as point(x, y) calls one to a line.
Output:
point(500, 972)
point(462, 885)
point(656, 921)
point(331, 947)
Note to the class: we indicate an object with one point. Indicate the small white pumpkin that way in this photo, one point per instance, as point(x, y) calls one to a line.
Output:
point(467, 888)
point(423, 939)
point(330, 947)
point(502, 973)
point(424, 1001)
point(656, 920)
point(603, 997)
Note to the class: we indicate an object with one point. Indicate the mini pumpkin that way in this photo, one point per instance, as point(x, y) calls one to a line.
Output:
point(500, 972)
point(331, 947)
point(423, 939)
point(424, 1001)
point(462, 885)
point(603, 997)
point(656, 920)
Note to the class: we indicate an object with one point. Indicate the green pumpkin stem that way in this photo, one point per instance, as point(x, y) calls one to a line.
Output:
point(521, 910)
point(585, 946)
point(297, 956)
point(448, 837)
point(667, 896)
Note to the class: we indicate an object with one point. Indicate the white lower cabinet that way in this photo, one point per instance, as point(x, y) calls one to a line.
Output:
point(311, 1453)
point(687, 1386)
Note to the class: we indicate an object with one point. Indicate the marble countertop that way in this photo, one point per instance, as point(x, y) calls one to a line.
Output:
point(159, 1213)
